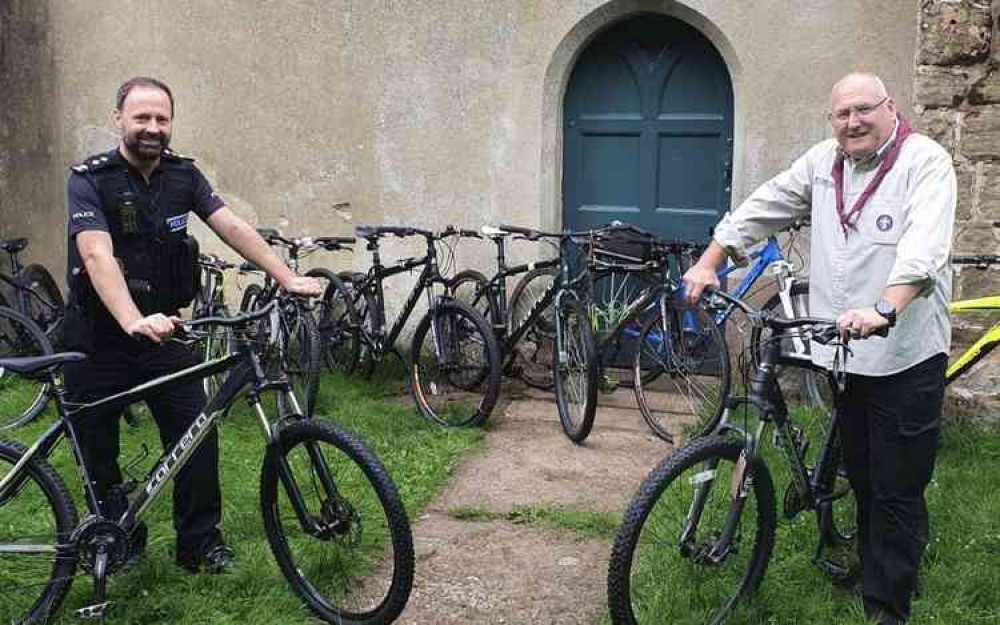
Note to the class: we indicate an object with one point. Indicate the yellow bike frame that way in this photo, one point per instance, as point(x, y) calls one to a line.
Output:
point(984, 345)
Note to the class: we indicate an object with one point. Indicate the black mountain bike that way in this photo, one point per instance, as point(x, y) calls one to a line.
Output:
point(331, 512)
point(454, 358)
point(22, 399)
point(533, 355)
point(697, 536)
point(32, 291)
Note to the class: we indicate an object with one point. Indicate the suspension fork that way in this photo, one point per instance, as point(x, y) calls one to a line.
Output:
point(740, 486)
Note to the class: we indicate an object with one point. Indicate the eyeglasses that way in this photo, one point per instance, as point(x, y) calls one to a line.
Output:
point(863, 111)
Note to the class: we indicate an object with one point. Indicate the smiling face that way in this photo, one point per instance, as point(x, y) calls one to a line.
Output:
point(862, 114)
point(144, 123)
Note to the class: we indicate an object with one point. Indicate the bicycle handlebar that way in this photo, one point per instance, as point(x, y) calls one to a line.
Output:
point(980, 260)
point(235, 320)
point(374, 232)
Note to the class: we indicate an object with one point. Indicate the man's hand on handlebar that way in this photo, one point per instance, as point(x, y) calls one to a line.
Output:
point(698, 278)
point(157, 327)
point(860, 323)
point(304, 286)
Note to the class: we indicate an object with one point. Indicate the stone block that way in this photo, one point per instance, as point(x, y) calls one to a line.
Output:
point(966, 174)
point(954, 33)
point(971, 283)
point(976, 237)
point(980, 133)
point(938, 124)
point(939, 86)
point(984, 84)
point(989, 192)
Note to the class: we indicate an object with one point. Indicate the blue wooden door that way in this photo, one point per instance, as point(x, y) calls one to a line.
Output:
point(648, 120)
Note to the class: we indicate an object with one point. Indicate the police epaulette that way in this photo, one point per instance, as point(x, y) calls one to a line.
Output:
point(170, 154)
point(92, 163)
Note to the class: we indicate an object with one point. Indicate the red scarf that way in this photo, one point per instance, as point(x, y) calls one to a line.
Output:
point(902, 132)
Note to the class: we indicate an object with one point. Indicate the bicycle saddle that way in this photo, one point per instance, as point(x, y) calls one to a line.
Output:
point(14, 245)
point(29, 365)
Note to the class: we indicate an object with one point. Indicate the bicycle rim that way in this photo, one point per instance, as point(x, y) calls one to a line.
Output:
point(575, 372)
point(40, 513)
point(536, 348)
point(681, 372)
point(667, 565)
point(355, 564)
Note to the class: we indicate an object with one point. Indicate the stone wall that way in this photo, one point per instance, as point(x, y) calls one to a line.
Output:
point(957, 102)
point(29, 205)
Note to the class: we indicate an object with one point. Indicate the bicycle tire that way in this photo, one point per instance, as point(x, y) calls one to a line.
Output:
point(651, 566)
point(364, 306)
point(314, 564)
point(473, 288)
point(576, 370)
point(44, 511)
point(301, 353)
point(681, 370)
point(338, 323)
point(49, 319)
point(251, 297)
point(219, 343)
point(808, 385)
point(22, 398)
point(535, 350)
point(463, 389)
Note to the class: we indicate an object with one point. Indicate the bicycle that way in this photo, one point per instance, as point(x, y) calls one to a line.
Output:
point(299, 342)
point(34, 292)
point(330, 510)
point(988, 341)
point(22, 399)
point(533, 354)
point(706, 515)
point(210, 301)
point(454, 363)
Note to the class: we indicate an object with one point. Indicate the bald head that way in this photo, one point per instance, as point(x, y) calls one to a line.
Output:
point(862, 114)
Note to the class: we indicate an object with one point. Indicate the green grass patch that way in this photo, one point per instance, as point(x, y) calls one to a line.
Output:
point(418, 455)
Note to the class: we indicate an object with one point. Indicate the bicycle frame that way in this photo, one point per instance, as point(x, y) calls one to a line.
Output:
point(245, 369)
point(497, 285)
point(986, 343)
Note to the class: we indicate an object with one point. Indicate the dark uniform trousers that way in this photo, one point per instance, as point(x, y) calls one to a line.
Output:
point(890, 427)
point(197, 501)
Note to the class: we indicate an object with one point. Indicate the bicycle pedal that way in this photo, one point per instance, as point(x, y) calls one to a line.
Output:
point(836, 571)
point(98, 610)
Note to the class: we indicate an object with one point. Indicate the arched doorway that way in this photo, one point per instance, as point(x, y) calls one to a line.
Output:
point(648, 127)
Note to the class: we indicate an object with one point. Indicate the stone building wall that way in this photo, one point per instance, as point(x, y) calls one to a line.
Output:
point(957, 102)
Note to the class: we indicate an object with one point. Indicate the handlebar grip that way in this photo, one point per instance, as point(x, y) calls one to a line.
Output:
point(528, 232)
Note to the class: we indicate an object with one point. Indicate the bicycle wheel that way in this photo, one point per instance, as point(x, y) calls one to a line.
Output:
point(48, 314)
point(37, 515)
point(22, 399)
point(218, 344)
point(809, 386)
point(681, 370)
point(455, 372)
point(349, 554)
point(338, 323)
point(667, 565)
point(473, 288)
point(364, 308)
point(534, 352)
point(300, 353)
point(575, 370)
point(612, 293)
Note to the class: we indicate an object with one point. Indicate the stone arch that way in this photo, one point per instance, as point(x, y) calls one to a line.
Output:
point(560, 68)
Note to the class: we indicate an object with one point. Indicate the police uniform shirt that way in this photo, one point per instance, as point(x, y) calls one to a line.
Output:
point(86, 212)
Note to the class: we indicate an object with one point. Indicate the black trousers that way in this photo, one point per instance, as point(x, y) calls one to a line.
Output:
point(890, 427)
point(197, 504)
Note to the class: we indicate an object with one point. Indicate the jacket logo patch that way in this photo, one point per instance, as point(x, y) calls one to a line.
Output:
point(177, 222)
point(884, 223)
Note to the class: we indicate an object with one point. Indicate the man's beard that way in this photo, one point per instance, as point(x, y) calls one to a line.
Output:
point(146, 147)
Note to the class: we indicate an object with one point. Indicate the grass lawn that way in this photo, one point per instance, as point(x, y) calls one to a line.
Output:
point(418, 455)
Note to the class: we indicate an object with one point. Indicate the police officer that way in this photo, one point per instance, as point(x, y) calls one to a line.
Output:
point(131, 268)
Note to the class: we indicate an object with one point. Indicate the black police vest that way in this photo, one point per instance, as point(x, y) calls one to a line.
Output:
point(159, 265)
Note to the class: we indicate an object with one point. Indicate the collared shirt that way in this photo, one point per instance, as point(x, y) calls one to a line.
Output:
point(87, 213)
point(901, 236)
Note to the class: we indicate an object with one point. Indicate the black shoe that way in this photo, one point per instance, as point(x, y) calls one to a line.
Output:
point(216, 559)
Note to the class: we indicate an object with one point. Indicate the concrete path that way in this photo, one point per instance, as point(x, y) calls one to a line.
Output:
point(493, 572)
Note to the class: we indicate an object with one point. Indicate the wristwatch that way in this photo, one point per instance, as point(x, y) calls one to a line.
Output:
point(887, 310)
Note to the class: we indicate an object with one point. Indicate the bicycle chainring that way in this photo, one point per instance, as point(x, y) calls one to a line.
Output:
point(96, 532)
